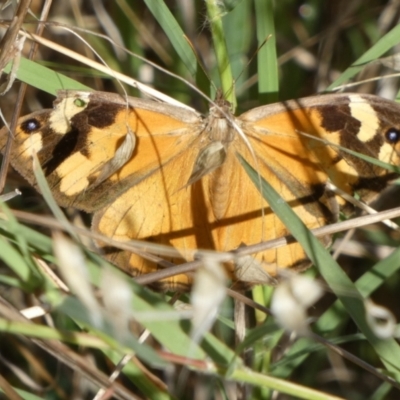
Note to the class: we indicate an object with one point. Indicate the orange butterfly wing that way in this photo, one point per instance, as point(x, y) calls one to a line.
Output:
point(176, 189)
point(74, 142)
point(222, 210)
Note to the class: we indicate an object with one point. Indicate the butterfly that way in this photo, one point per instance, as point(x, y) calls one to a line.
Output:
point(168, 175)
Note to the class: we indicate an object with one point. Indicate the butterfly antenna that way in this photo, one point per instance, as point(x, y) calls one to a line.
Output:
point(247, 64)
point(200, 62)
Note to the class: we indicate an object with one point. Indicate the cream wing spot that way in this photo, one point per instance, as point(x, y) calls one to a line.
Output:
point(64, 110)
point(343, 167)
point(363, 111)
point(32, 145)
point(386, 153)
point(73, 174)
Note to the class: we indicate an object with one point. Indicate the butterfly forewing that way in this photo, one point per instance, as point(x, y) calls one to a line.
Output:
point(72, 154)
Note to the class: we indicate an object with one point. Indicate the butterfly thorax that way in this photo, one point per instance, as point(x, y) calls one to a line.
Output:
point(219, 133)
point(220, 123)
point(213, 160)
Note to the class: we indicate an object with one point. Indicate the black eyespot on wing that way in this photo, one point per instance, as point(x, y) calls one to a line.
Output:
point(31, 125)
point(392, 135)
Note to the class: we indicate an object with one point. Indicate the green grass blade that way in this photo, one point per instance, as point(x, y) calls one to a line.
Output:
point(174, 32)
point(221, 51)
point(388, 41)
point(338, 281)
point(44, 78)
point(267, 59)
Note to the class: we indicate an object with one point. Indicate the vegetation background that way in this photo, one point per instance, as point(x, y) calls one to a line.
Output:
point(267, 51)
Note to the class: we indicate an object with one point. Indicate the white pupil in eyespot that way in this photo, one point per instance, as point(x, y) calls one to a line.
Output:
point(31, 125)
point(393, 135)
